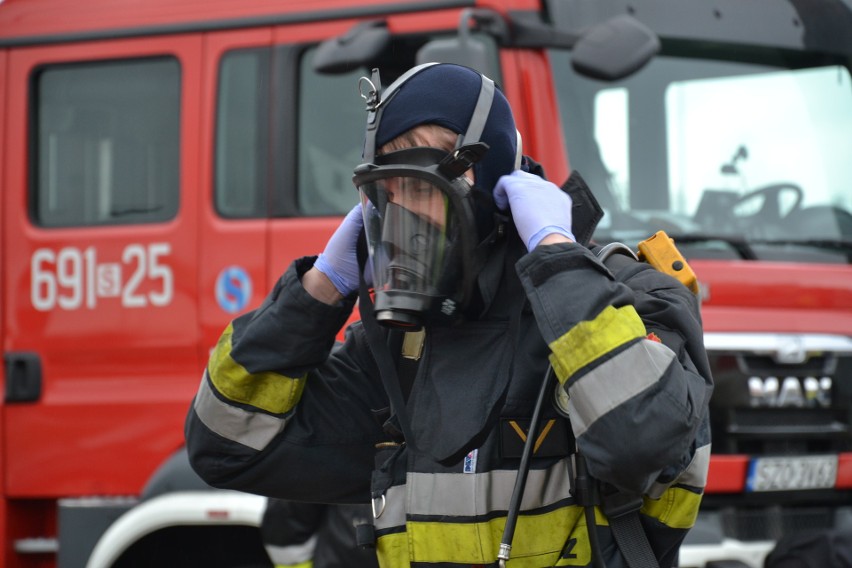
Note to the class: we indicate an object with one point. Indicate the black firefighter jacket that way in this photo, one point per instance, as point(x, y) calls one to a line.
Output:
point(281, 413)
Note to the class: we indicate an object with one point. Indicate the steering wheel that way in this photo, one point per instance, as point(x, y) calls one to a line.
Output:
point(771, 194)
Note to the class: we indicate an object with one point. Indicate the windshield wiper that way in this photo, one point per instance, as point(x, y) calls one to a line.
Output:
point(830, 244)
point(743, 246)
point(739, 244)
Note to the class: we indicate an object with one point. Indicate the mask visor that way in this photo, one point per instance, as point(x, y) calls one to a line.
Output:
point(412, 238)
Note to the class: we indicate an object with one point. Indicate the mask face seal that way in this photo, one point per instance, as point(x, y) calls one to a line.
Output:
point(420, 228)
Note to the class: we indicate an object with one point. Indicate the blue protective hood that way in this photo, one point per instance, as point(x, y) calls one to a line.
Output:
point(446, 95)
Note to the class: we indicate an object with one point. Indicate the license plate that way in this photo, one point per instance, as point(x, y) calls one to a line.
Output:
point(785, 473)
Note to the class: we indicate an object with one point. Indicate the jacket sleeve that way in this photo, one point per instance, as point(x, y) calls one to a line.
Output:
point(280, 413)
point(638, 387)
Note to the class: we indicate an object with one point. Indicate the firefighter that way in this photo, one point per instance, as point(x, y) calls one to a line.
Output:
point(481, 296)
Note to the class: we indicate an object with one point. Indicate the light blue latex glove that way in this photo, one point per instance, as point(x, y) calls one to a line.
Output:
point(339, 260)
point(539, 208)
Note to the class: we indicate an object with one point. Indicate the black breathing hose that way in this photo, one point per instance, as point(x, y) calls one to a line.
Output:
point(523, 470)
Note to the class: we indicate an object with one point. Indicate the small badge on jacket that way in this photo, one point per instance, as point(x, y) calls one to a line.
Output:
point(470, 462)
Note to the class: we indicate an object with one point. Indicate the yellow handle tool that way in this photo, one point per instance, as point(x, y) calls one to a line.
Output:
point(660, 252)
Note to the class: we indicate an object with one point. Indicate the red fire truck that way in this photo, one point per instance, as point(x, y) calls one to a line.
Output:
point(162, 162)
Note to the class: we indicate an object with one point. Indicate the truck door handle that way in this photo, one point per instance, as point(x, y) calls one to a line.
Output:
point(23, 376)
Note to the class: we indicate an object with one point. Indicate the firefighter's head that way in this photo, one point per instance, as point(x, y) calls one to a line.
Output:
point(437, 141)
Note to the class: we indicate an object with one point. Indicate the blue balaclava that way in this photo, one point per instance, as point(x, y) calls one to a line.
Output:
point(446, 94)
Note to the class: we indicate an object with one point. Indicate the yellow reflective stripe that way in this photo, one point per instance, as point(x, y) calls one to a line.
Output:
point(589, 340)
point(392, 550)
point(308, 564)
point(268, 391)
point(538, 540)
point(676, 508)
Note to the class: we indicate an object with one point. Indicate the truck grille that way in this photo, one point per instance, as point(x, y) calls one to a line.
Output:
point(771, 523)
point(780, 395)
point(763, 406)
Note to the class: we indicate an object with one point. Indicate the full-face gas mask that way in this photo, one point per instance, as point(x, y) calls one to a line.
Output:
point(420, 216)
point(420, 228)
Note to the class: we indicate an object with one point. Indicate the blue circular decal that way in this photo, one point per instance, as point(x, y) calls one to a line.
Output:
point(233, 289)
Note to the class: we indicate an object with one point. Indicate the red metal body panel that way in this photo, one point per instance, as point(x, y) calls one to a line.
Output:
point(23, 18)
point(38, 17)
point(727, 474)
point(4, 508)
point(529, 88)
point(744, 296)
point(69, 443)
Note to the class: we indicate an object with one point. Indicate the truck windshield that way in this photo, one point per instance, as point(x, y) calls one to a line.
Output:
point(733, 160)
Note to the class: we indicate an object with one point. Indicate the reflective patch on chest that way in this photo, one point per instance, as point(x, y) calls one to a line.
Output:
point(553, 439)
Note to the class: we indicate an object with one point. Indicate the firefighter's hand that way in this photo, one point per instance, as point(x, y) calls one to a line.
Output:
point(539, 208)
point(339, 260)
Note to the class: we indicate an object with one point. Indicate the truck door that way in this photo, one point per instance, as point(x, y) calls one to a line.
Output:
point(100, 245)
point(235, 178)
point(253, 222)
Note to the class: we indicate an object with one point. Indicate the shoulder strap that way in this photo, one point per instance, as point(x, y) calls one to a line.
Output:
point(622, 512)
point(377, 343)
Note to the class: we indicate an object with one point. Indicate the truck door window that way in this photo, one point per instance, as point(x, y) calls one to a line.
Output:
point(332, 117)
point(331, 133)
point(242, 134)
point(328, 126)
point(269, 111)
point(106, 146)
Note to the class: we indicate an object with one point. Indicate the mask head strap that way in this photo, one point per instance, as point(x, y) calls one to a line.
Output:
point(480, 113)
point(377, 100)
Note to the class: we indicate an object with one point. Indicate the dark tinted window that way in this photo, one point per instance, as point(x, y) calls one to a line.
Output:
point(107, 143)
point(331, 135)
point(288, 137)
point(242, 134)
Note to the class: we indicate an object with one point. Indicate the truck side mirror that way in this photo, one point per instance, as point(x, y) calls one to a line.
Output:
point(463, 49)
point(352, 50)
point(614, 49)
point(610, 50)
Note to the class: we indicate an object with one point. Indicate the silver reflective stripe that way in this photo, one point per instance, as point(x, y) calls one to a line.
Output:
point(615, 381)
point(393, 515)
point(469, 495)
point(695, 475)
point(292, 553)
point(252, 429)
point(464, 495)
